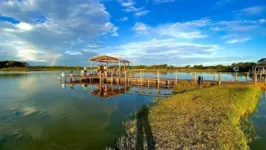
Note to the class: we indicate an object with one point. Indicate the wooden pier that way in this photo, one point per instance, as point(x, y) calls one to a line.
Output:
point(157, 82)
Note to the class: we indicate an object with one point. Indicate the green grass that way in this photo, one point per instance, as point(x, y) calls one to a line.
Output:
point(207, 118)
point(203, 119)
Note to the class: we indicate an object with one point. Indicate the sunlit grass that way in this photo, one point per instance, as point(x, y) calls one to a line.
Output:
point(207, 118)
point(204, 118)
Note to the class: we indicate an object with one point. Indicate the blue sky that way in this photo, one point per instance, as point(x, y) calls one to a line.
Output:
point(175, 32)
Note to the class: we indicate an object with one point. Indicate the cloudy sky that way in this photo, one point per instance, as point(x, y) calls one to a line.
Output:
point(176, 32)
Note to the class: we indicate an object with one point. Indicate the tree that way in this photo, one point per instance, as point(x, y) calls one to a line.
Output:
point(188, 66)
point(262, 61)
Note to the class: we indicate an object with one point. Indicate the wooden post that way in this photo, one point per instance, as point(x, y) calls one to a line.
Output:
point(194, 78)
point(219, 78)
point(176, 77)
point(247, 77)
point(119, 70)
point(101, 78)
point(125, 77)
point(91, 67)
point(236, 77)
point(168, 84)
point(255, 78)
point(112, 74)
point(148, 82)
point(158, 79)
point(140, 77)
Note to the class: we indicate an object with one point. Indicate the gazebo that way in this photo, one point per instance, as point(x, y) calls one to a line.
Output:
point(109, 60)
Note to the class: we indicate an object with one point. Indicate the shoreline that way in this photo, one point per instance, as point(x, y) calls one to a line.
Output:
point(213, 117)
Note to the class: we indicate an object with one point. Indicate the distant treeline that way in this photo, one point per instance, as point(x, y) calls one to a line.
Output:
point(243, 66)
point(11, 63)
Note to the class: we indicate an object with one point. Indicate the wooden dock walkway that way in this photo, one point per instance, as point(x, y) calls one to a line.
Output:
point(156, 81)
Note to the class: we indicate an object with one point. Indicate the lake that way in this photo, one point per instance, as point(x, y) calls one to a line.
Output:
point(259, 120)
point(37, 112)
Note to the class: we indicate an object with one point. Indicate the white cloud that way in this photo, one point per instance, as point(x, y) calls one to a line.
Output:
point(64, 23)
point(73, 53)
point(222, 2)
point(141, 13)
point(123, 19)
point(182, 30)
point(235, 30)
point(162, 1)
point(25, 51)
point(255, 10)
point(165, 49)
point(129, 6)
point(239, 40)
point(127, 3)
point(140, 28)
point(262, 20)
point(24, 26)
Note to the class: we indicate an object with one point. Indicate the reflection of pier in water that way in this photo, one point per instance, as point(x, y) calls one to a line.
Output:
point(111, 90)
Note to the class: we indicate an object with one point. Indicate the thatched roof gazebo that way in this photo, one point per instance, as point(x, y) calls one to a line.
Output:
point(109, 60)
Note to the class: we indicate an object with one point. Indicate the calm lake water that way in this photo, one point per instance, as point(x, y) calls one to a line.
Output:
point(37, 112)
point(259, 120)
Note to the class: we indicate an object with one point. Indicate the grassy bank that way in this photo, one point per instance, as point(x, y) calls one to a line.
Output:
point(198, 119)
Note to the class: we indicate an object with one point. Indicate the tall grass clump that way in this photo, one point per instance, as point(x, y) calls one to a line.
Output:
point(208, 118)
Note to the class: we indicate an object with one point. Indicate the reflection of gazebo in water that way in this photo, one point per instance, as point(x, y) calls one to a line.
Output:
point(110, 60)
point(109, 91)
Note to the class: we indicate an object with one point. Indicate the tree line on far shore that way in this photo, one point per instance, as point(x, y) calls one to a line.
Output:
point(243, 66)
point(11, 63)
